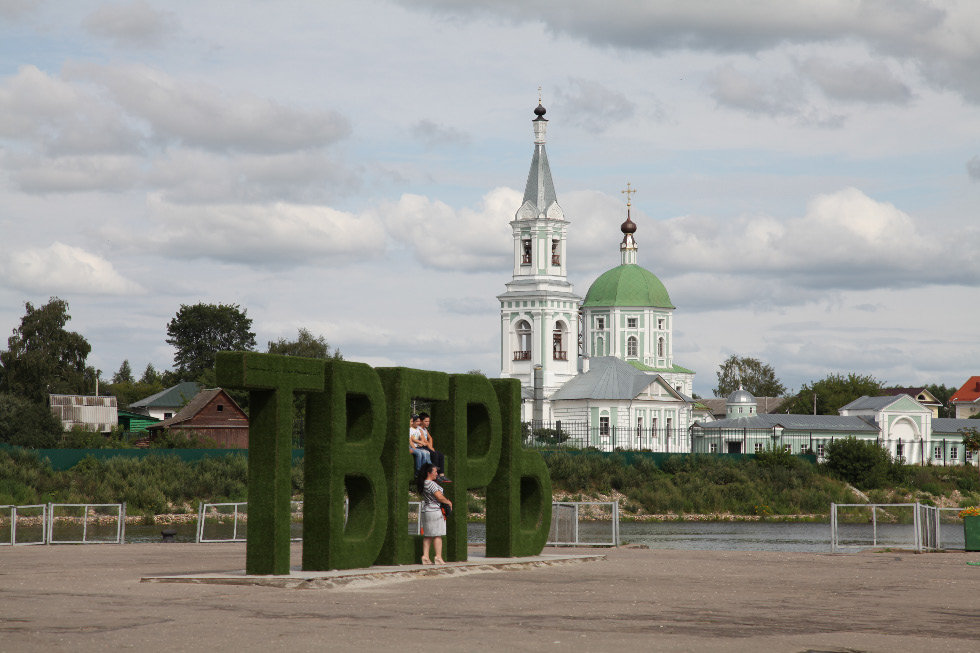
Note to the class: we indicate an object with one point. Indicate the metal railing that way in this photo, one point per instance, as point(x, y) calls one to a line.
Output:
point(238, 514)
point(582, 435)
point(14, 514)
point(91, 518)
point(584, 523)
point(923, 533)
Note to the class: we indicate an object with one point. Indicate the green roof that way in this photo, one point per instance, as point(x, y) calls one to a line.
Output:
point(673, 368)
point(628, 285)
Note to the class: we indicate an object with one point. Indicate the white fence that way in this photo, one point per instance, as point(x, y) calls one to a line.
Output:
point(24, 516)
point(907, 525)
point(101, 523)
point(584, 523)
point(221, 515)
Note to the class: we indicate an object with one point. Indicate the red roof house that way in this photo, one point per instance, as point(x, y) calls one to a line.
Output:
point(967, 399)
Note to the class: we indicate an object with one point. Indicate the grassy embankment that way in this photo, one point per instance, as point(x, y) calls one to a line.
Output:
point(764, 486)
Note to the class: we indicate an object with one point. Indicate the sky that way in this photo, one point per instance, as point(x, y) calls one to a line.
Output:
point(807, 174)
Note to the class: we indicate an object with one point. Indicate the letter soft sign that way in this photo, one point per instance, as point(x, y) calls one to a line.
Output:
point(357, 443)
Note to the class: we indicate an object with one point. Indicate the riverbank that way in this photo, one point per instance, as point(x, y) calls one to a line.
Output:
point(637, 599)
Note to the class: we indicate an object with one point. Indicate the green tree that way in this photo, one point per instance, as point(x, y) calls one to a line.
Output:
point(150, 375)
point(42, 357)
point(755, 376)
point(200, 331)
point(861, 463)
point(28, 424)
point(833, 392)
point(125, 373)
point(305, 345)
point(942, 393)
point(971, 442)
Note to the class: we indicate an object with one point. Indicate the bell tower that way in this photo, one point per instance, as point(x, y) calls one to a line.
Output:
point(539, 310)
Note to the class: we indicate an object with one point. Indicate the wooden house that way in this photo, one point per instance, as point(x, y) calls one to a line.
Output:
point(210, 414)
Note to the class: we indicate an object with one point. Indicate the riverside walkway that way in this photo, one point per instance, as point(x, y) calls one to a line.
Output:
point(91, 598)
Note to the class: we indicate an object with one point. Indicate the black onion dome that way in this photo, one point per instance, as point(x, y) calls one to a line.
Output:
point(628, 227)
point(540, 111)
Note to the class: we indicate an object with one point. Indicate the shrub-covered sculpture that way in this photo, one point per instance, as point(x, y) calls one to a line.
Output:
point(357, 440)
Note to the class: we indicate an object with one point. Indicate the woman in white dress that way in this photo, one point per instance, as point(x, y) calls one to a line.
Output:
point(433, 522)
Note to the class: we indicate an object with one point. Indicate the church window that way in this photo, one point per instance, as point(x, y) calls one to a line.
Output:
point(523, 351)
point(954, 453)
point(600, 323)
point(526, 248)
point(631, 346)
point(631, 322)
point(560, 353)
point(758, 447)
point(968, 456)
point(555, 253)
point(788, 448)
point(713, 447)
point(740, 409)
point(604, 426)
point(660, 324)
point(820, 450)
point(937, 453)
point(660, 347)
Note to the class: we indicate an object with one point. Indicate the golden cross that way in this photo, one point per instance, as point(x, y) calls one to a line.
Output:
point(629, 191)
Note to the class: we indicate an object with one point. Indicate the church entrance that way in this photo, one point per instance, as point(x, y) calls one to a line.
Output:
point(734, 447)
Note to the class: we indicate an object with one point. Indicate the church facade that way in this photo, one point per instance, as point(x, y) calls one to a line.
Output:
point(600, 369)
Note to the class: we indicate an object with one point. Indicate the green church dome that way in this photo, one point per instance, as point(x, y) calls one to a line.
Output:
point(628, 285)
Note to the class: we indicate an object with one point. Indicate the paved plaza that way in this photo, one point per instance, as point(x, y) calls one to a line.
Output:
point(91, 598)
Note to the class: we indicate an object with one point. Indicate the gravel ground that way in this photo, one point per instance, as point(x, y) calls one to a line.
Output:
point(89, 598)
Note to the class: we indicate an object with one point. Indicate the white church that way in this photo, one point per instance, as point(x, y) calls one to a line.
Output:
point(601, 369)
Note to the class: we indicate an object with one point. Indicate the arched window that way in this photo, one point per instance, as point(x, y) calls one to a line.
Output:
point(559, 341)
point(555, 253)
point(660, 347)
point(523, 351)
point(631, 346)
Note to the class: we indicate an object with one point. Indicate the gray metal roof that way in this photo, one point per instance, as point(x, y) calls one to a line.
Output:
point(950, 426)
point(609, 378)
point(793, 422)
point(872, 403)
point(175, 396)
point(540, 189)
point(741, 396)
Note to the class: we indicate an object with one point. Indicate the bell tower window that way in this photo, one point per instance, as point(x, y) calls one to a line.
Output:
point(526, 251)
point(523, 351)
point(660, 347)
point(559, 339)
point(555, 252)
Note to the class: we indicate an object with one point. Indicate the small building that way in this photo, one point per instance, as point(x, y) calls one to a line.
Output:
point(967, 399)
point(88, 412)
point(210, 414)
point(135, 422)
point(167, 403)
point(716, 407)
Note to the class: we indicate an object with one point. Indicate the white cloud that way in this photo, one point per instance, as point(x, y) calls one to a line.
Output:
point(594, 106)
point(274, 235)
point(201, 115)
point(59, 117)
point(136, 24)
point(432, 134)
point(66, 174)
point(871, 82)
point(457, 239)
point(61, 268)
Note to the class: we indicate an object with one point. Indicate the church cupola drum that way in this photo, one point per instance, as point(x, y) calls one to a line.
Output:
point(539, 310)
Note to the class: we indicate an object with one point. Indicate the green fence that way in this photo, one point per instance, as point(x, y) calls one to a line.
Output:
point(62, 459)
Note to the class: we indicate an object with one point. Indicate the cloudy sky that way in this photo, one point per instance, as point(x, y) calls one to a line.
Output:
point(808, 174)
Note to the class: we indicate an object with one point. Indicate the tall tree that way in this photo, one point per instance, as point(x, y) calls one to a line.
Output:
point(833, 392)
point(200, 331)
point(125, 373)
point(150, 374)
point(42, 357)
point(305, 345)
point(757, 377)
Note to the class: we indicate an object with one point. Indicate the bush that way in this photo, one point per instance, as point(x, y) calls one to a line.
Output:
point(861, 463)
